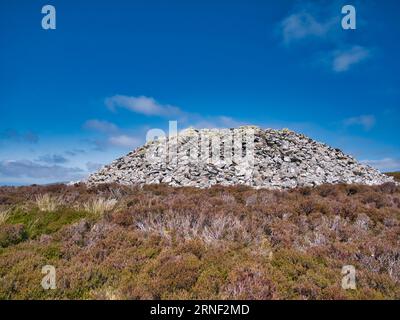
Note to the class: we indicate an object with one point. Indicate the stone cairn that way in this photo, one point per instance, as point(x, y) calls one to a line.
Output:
point(275, 159)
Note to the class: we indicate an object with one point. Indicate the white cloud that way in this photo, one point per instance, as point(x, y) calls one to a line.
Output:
point(343, 59)
point(367, 122)
point(30, 169)
point(113, 135)
point(150, 107)
point(322, 22)
point(386, 164)
point(123, 141)
point(101, 126)
point(302, 25)
point(52, 159)
point(143, 105)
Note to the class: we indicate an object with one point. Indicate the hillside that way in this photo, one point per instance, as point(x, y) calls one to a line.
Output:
point(160, 242)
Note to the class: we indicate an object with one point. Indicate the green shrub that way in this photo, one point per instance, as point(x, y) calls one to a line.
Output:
point(12, 234)
point(38, 222)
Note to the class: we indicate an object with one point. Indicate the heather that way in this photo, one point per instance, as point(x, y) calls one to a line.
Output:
point(161, 242)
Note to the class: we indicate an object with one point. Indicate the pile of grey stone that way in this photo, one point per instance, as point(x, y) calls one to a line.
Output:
point(261, 158)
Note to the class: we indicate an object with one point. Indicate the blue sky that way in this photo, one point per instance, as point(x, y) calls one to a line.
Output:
point(79, 96)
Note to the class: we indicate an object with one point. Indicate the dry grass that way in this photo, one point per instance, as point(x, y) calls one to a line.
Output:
point(192, 226)
point(47, 202)
point(99, 206)
point(4, 215)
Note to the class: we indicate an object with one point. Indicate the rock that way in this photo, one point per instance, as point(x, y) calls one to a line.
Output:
point(277, 159)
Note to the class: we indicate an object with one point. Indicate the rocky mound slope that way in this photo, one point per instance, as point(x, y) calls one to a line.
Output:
point(249, 155)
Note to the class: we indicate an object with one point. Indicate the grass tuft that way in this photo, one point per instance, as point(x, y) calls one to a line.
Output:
point(99, 206)
point(4, 215)
point(46, 202)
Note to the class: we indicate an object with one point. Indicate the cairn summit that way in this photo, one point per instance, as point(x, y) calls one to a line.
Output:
point(261, 158)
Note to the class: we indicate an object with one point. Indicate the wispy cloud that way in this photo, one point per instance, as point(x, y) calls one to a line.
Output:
point(16, 136)
point(302, 25)
point(150, 107)
point(309, 20)
point(321, 23)
point(386, 164)
point(100, 125)
point(124, 141)
point(29, 169)
point(143, 105)
point(52, 159)
point(74, 152)
point(367, 122)
point(116, 137)
point(342, 60)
